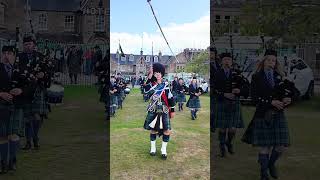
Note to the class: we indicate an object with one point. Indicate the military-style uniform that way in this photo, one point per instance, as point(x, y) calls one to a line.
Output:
point(113, 98)
point(37, 108)
point(159, 110)
point(181, 90)
point(269, 126)
point(194, 101)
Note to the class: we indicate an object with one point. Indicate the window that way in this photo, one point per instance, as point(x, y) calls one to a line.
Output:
point(131, 58)
point(100, 23)
point(155, 59)
point(43, 22)
point(69, 23)
point(227, 19)
point(123, 58)
point(217, 19)
point(1, 14)
point(148, 59)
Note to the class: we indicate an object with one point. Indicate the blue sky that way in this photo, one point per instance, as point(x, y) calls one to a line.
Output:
point(135, 16)
point(130, 19)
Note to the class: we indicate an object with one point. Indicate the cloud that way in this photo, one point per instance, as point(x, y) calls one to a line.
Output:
point(180, 36)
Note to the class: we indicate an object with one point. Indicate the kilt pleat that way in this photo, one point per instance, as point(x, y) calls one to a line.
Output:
point(193, 103)
point(39, 104)
point(227, 114)
point(270, 130)
point(181, 97)
point(17, 124)
point(151, 116)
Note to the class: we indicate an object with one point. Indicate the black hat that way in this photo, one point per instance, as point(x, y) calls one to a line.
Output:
point(157, 67)
point(223, 55)
point(194, 77)
point(8, 48)
point(270, 52)
point(29, 39)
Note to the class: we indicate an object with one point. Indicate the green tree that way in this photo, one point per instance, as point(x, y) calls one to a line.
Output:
point(281, 19)
point(199, 64)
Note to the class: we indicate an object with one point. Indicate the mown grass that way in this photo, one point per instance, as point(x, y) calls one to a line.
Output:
point(73, 142)
point(299, 162)
point(188, 149)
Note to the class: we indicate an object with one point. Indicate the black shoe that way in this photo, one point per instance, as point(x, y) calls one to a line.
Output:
point(152, 153)
point(4, 168)
point(273, 171)
point(27, 146)
point(230, 148)
point(164, 156)
point(36, 144)
point(264, 178)
point(222, 150)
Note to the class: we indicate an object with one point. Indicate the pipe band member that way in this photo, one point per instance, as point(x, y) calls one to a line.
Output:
point(228, 116)
point(181, 90)
point(268, 129)
point(194, 101)
point(160, 108)
point(14, 86)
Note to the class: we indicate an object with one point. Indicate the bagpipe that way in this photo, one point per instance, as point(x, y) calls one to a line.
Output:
point(285, 89)
point(238, 81)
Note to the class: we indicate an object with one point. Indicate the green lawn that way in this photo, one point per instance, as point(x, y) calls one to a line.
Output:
point(188, 149)
point(72, 142)
point(301, 160)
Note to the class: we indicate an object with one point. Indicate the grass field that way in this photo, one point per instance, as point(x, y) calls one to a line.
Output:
point(301, 160)
point(188, 148)
point(72, 142)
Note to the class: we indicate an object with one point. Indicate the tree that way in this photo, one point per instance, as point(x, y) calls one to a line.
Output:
point(199, 64)
point(281, 19)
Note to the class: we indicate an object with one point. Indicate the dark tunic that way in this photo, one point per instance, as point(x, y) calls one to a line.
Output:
point(269, 126)
point(227, 112)
point(180, 93)
point(194, 101)
point(159, 108)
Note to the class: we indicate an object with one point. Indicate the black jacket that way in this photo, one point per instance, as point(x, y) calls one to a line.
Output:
point(263, 93)
point(223, 84)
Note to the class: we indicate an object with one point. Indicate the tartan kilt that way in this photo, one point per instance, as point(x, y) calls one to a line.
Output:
point(227, 114)
point(39, 104)
point(174, 94)
point(6, 112)
point(193, 103)
point(17, 124)
point(113, 100)
point(270, 130)
point(150, 117)
point(28, 114)
point(181, 97)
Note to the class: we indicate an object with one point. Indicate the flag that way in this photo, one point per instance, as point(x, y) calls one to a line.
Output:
point(121, 52)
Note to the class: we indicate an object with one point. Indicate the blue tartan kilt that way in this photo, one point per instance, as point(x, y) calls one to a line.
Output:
point(181, 97)
point(193, 103)
point(5, 114)
point(227, 114)
point(270, 130)
point(28, 114)
point(39, 104)
point(113, 100)
point(152, 115)
point(17, 124)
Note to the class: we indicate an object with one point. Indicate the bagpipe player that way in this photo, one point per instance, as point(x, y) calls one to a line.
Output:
point(160, 109)
point(268, 130)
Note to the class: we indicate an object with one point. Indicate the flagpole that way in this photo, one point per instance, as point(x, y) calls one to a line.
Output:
point(119, 58)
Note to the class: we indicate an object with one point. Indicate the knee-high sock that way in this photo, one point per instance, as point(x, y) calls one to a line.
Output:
point(36, 127)
point(263, 159)
point(13, 146)
point(165, 141)
point(231, 135)
point(153, 138)
point(275, 155)
point(4, 151)
point(29, 131)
